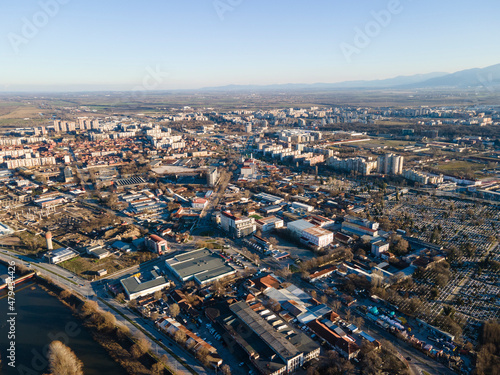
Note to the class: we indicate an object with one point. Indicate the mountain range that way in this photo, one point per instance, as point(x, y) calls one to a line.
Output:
point(486, 78)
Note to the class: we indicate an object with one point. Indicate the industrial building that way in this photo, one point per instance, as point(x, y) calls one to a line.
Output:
point(135, 287)
point(273, 346)
point(268, 198)
point(61, 255)
point(201, 266)
point(310, 234)
point(269, 223)
point(359, 227)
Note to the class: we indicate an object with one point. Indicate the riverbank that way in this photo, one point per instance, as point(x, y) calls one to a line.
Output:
point(115, 339)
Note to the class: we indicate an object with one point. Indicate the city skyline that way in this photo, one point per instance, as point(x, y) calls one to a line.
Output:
point(57, 45)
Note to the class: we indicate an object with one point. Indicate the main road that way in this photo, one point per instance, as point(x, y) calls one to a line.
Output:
point(96, 291)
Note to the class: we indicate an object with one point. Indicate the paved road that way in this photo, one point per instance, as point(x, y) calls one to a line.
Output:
point(96, 291)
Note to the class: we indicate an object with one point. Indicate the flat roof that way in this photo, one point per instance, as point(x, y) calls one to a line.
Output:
point(134, 285)
point(65, 251)
point(202, 264)
point(300, 225)
point(318, 232)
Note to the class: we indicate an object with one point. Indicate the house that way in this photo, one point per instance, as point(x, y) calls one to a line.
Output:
point(199, 203)
point(322, 273)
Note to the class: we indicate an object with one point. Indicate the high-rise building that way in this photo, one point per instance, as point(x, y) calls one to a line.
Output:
point(212, 176)
point(390, 164)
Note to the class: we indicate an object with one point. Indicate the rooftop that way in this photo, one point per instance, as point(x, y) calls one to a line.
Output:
point(134, 285)
point(266, 332)
point(317, 231)
point(201, 264)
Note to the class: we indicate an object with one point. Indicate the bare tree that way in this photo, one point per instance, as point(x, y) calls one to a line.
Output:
point(157, 369)
point(226, 370)
point(180, 337)
point(157, 295)
point(140, 348)
point(273, 241)
point(62, 360)
point(174, 310)
point(348, 315)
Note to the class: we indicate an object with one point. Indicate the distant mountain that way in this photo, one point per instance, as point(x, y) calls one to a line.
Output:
point(485, 78)
point(380, 83)
point(488, 78)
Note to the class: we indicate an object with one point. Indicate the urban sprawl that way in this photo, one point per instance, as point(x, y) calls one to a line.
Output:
point(269, 241)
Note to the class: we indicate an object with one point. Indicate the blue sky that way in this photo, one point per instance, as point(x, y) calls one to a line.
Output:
point(116, 44)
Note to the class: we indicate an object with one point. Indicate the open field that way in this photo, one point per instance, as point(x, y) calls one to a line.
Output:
point(380, 142)
point(459, 166)
point(86, 266)
point(18, 112)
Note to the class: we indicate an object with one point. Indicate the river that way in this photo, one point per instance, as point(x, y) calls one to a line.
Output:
point(42, 318)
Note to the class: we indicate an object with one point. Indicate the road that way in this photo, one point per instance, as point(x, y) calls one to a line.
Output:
point(419, 361)
point(206, 215)
point(96, 291)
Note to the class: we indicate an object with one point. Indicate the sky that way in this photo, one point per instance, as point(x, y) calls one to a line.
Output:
point(165, 44)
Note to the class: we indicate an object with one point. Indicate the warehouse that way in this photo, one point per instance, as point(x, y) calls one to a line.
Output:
point(291, 348)
point(201, 265)
point(136, 287)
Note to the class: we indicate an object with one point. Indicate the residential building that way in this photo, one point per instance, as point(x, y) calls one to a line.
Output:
point(390, 164)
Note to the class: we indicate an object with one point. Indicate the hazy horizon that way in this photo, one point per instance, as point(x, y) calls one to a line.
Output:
point(65, 45)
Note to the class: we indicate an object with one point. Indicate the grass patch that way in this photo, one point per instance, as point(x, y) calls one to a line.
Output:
point(86, 267)
point(52, 272)
point(459, 166)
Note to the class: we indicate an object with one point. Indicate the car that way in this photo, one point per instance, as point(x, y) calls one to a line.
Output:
point(408, 358)
point(241, 364)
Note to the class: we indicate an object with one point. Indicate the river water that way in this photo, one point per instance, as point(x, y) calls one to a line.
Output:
point(42, 318)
